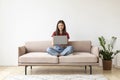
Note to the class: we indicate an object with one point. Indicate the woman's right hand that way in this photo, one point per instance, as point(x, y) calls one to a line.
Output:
point(52, 42)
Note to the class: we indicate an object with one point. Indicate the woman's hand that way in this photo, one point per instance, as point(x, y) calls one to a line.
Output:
point(52, 42)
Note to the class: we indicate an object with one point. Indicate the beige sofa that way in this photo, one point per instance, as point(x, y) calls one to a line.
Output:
point(34, 53)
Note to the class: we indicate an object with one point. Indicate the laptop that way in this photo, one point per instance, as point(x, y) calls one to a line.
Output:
point(60, 40)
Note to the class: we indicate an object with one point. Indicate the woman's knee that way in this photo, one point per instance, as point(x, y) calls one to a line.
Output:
point(49, 49)
point(70, 47)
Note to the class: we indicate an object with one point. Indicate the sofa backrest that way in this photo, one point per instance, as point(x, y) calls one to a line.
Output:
point(41, 46)
point(81, 46)
point(37, 46)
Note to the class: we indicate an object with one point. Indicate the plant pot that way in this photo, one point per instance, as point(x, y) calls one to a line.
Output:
point(107, 64)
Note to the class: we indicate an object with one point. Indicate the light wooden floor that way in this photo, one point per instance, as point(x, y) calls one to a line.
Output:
point(114, 74)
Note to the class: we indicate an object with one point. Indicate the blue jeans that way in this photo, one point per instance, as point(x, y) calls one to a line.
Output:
point(57, 50)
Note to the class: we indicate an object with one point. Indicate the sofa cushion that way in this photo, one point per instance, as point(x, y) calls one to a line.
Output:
point(38, 57)
point(78, 57)
point(81, 46)
point(37, 46)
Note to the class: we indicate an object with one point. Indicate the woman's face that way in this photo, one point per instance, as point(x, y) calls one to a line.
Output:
point(60, 26)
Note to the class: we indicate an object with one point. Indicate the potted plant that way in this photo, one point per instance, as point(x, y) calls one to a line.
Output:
point(107, 53)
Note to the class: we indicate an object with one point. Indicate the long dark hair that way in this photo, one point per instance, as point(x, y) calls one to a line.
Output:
point(57, 29)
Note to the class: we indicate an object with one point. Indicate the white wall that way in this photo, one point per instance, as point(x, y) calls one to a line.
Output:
point(28, 20)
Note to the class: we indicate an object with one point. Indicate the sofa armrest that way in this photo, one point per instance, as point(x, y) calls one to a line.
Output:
point(21, 50)
point(95, 51)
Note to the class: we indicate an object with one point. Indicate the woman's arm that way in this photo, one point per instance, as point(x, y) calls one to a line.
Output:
point(52, 42)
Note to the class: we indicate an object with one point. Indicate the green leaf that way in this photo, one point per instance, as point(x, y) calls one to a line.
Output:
point(107, 51)
point(102, 42)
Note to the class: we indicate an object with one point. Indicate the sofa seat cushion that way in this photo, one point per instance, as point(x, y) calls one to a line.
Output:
point(78, 57)
point(38, 57)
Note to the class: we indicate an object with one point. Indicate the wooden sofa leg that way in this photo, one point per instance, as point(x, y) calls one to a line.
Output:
point(85, 68)
point(25, 70)
point(31, 67)
point(90, 69)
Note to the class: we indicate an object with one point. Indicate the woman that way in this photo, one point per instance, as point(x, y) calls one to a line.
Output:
point(60, 50)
